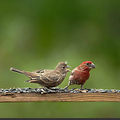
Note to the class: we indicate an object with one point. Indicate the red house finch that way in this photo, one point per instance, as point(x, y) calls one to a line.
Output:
point(47, 78)
point(80, 74)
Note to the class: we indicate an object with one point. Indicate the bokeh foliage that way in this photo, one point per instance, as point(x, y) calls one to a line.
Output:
point(38, 34)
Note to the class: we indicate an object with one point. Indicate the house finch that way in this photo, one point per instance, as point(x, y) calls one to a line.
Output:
point(45, 77)
point(80, 74)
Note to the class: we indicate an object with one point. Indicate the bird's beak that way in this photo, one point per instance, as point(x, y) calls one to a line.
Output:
point(92, 66)
point(68, 68)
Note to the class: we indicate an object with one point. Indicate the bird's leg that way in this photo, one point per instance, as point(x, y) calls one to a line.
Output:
point(67, 85)
point(81, 86)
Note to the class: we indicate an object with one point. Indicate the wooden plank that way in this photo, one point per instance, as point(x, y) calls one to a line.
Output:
point(68, 97)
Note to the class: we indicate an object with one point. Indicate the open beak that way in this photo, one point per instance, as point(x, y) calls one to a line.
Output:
point(92, 66)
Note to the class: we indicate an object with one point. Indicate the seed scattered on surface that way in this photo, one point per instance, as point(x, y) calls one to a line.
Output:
point(56, 90)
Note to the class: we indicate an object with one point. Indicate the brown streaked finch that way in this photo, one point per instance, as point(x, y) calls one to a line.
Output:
point(45, 77)
point(80, 74)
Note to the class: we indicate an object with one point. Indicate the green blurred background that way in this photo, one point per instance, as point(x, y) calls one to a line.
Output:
point(37, 34)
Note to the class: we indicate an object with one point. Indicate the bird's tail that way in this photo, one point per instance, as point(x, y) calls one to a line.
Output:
point(16, 70)
point(31, 75)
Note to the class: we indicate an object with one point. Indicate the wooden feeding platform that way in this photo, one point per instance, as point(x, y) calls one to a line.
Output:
point(59, 94)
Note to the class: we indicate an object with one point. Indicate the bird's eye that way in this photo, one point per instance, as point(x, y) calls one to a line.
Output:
point(87, 63)
point(63, 67)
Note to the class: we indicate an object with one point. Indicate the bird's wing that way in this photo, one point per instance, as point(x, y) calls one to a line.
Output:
point(39, 71)
point(50, 76)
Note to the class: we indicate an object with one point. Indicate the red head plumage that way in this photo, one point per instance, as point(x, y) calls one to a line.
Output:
point(86, 65)
point(85, 62)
